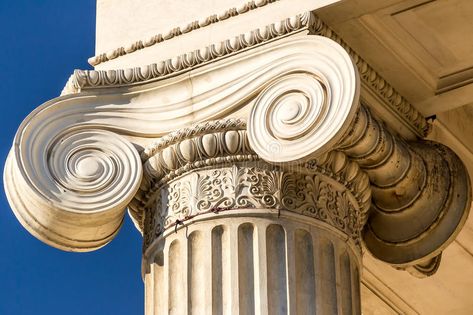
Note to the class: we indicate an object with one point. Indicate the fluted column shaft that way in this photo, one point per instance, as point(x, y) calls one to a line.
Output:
point(253, 263)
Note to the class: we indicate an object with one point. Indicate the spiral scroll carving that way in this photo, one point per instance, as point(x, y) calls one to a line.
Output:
point(303, 114)
point(65, 177)
point(420, 187)
point(70, 190)
point(90, 164)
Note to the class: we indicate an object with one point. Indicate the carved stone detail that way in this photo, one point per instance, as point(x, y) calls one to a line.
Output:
point(422, 187)
point(74, 165)
point(249, 261)
point(109, 125)
point(62, 188)
point(424, 268)
point(180, 185)
point(177, 31)
point(377, 83)
point(82, 80)
point(432, 216)
point(258, 186)
point(90, 79)
point(262, 134)
point(303, 114)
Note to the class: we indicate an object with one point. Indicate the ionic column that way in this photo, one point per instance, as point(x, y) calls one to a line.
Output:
point(251, 168)
point(227, 233)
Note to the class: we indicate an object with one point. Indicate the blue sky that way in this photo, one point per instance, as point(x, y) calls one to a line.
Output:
point(41, 43)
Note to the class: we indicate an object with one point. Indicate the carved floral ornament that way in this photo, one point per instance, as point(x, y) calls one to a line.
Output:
point(279, 127)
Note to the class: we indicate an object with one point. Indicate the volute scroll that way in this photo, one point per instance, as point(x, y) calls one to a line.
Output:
point(305, 113)
point(69, 185)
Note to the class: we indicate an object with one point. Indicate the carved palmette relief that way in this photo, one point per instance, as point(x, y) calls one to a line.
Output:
point(204, 170)
point(255, 185)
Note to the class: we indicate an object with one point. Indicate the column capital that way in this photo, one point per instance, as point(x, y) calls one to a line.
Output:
point(211, 169)
point(289, 100)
